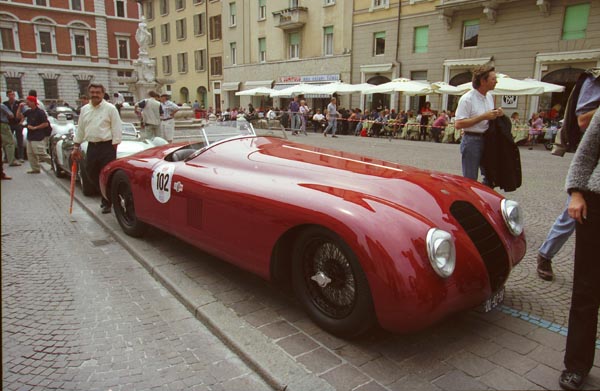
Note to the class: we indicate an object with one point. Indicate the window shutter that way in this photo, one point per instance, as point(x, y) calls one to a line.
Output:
point(421, 39)
point(576, 19)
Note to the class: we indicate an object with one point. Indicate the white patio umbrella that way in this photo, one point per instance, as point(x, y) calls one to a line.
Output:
point(298, 89)
point(548, 87)
point(441, 87)
point(508, 86)
point(258, 91)
point(341, 88)
point(402, 85)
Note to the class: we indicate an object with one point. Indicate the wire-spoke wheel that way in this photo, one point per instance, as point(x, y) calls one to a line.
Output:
point(330, 283)
point(123, 204)
point(55, 166)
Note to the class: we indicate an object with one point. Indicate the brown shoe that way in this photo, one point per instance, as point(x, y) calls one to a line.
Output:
point(544, 268)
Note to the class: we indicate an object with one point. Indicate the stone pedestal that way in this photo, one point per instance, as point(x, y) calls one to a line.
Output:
point(145, 69)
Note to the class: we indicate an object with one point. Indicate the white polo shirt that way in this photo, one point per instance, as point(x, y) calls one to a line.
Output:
point(472, 104)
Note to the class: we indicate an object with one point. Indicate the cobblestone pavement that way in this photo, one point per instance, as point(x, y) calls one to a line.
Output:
point(472, 350)
point(79, 313)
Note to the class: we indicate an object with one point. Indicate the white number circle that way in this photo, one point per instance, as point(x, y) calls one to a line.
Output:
point(162, 178)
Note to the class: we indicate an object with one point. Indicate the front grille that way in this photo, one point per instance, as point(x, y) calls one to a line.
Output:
point(486, 241)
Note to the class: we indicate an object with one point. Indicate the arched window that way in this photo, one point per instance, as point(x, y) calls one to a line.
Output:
point(376, 101)
point(202, 95)
point(184, 95)
point(565, 77)
point(457, 80)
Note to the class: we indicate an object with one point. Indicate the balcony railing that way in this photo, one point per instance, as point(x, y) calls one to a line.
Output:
point(291, 18)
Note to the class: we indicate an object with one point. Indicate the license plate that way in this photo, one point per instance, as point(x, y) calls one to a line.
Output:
point(494, 301)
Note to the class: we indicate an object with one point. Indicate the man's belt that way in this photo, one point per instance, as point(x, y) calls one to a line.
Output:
point(474, 134)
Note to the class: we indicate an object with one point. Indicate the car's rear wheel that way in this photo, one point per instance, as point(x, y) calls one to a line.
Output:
point(87, 188)
point(56, 167)
point(330, 283)
point(123, 204)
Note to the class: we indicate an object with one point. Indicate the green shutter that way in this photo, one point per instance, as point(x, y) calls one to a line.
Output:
point(576, 19)
point(262, 45)
point(328, 30)
point(232, 9)
point(421, 39)
point(262, 3)
point(295, 39)
point(380, 34)
point(473, 22)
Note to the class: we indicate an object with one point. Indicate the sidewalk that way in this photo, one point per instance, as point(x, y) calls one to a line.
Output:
point(267, 328)
point(79, 313)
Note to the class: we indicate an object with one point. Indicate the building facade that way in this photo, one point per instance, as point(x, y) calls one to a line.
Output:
point(57, 47)
point(185, 42)
point(279, 43)
point(375, 49)
point(548, 40)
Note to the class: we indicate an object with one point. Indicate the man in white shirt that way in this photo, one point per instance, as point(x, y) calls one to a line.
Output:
point(475, 110)
point(100, 125)
point(150, 114)
point(167, 125)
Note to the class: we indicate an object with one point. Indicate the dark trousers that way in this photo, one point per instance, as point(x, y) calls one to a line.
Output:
point(97, 156)
point(583, 317)
point(18, 131)
point(436, 132)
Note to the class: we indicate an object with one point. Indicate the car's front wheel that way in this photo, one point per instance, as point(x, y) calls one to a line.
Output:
point(331, 284)
point(122, 199)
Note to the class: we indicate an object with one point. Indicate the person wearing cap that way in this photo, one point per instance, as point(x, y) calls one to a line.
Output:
point(38, 131)
point(167, 124)
point(99, 125)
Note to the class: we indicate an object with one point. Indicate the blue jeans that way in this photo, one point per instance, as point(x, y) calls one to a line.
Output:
point(471, 149)
point(561, 230)
point(332, 125)
point(296, 121)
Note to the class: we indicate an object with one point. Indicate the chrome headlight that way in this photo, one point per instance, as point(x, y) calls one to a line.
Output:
point(441, 252)
point(511, 212)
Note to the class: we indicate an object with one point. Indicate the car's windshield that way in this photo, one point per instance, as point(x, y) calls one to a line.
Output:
point(203, 136)
point(129, 130)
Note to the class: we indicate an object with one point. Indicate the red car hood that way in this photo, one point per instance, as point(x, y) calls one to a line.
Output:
point(360, 179)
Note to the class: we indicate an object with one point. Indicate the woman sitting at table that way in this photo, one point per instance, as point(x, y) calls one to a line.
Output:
point(515, 120)
point(537, 123)
point(439, 125)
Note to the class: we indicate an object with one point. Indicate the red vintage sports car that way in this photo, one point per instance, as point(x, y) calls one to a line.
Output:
point(360, 240)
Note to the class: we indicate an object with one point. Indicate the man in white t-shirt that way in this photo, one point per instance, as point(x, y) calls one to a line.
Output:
point(151, 112)
point(475, 110)
point(167, 124)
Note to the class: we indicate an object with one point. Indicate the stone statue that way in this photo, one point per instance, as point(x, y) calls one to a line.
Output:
point(143, 37)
